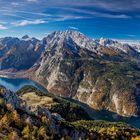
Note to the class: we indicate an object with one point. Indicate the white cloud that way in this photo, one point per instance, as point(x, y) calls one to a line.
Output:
point(13, 15)
point(32, 0)
point(98, 14)
point(73, 28)
point(28, 22)
point(33, 13)
point(118, 5)
point(26, 12)
point(129, 41)
point(67, 17)
point(120, 16)
point(15, 4)
point(138, 16)
point(3, 22)
point(131, 35)
point(46, 34)
point(2, 27)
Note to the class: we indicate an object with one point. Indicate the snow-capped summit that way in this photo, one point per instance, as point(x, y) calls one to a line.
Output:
point(69, 36)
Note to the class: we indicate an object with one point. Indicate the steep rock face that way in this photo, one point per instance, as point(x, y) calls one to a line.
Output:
point(110, 88)
point(104, 77)
point(59, 50)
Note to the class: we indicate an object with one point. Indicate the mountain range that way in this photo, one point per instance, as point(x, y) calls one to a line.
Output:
point(103, 73)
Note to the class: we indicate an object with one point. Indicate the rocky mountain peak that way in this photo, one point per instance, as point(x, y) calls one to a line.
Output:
point(67, 33)
point(71, 38)
point(64, 35)
point(25, 37)
point(28, 38)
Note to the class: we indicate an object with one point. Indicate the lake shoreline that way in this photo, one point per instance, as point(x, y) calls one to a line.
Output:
point(20, 75)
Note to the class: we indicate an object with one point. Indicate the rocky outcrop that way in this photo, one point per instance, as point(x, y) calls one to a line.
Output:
point(9, 98)
point(33, 108)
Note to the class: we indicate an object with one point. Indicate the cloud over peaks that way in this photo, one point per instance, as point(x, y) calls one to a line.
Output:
point(2, 27)
point(28, 22)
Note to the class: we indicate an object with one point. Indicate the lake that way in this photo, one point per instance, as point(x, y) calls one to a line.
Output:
point(14, 84)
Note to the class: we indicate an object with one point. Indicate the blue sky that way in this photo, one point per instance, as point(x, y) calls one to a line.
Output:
point(118, 19)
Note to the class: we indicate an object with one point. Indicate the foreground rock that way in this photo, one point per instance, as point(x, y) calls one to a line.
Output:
point(27, 114)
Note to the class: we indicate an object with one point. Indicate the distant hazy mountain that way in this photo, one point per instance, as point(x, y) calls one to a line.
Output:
point(19, 54)
point(102, 73)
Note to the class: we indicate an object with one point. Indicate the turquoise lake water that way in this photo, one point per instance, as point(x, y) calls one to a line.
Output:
point(15, 84)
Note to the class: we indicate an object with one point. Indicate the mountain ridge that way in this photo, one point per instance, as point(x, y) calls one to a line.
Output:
point(96, 72)
point(105, 42)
